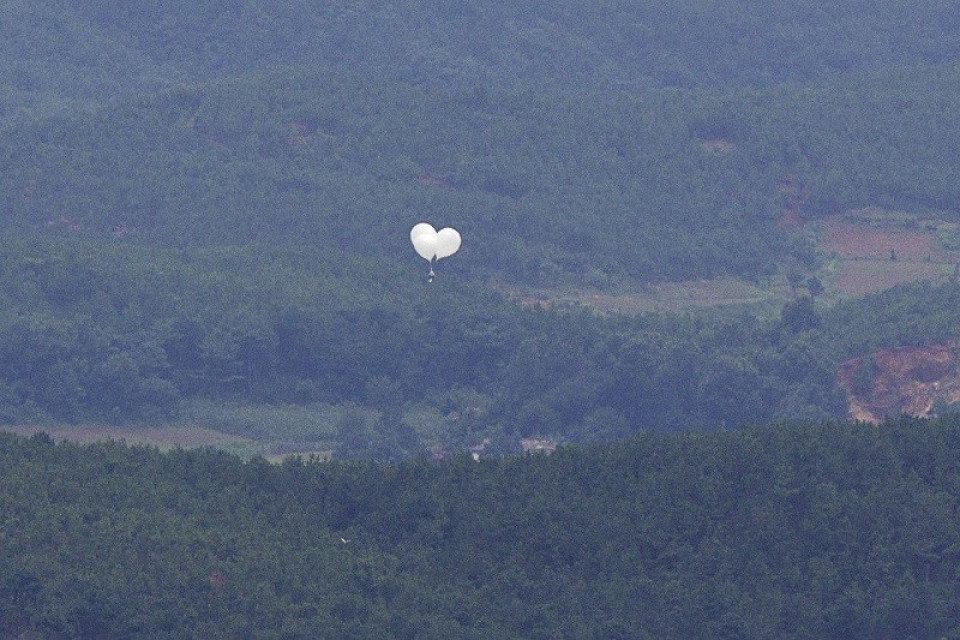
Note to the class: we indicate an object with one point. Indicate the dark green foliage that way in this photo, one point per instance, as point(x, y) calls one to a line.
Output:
point(800, 315)
point(863, 377)
point(906, 315)
point(550, 187)
point(795, 531)
point(205, 204)
point(625, 45)
point(115, 332)
point(285, 150)
point(545, 189)
point(571, 143)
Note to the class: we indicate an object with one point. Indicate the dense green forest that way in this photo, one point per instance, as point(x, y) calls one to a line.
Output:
point(73, 50)
point(387, 366)
point(204, 218)
point(548, 188)
point(206, 210)
point(798, 530)
point(222, 240)
point(570, 144)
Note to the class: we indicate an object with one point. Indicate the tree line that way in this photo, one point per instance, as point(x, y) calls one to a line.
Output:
point(117, 333)
point(803, 529)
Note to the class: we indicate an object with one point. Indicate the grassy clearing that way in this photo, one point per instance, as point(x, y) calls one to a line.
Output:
point(277, 431)
point(314, 422)
point(274, 432)
point(667, 297)
point(164, 438)
point(269, 431)
point(863, 251)
point(870, 250)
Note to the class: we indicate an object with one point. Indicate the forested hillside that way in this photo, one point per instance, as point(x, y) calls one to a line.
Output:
point(206, 211)
point(547, 188)
point(84, 50)
point(204, 225)
point(793, 531)
point(571, 144)
point(344, 354)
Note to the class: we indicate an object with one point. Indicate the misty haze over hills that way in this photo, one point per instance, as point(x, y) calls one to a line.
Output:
point(579, 144)
point(93, 49)
point(679, 220)
point(283, 152)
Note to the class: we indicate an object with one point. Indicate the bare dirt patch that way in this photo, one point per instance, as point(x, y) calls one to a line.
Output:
point(907, 380)
point(874, 250)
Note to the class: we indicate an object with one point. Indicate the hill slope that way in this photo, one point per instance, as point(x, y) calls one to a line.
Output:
point(491, 43)
point(547, 188)
point(285, 152)
point(543, 130)
point(796, 531)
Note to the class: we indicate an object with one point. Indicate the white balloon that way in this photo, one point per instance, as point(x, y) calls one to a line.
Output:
point(419, 228)
point(424, 239)
point(430, 243)
point(448, 242)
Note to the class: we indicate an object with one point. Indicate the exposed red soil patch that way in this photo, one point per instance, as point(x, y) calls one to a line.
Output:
point(905, 380)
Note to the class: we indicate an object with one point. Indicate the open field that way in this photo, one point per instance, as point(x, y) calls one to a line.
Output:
point(160, 437)
point(663, 297)
point(857, 278)
point(862, 252)
point(170, 437)
point(867, 252)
